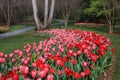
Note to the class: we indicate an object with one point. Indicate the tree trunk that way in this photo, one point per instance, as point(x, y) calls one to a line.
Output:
point(51, 12)
point(46, 11)
point(66, 18)
point(35, 13)
point(66, 22)
point(111, 29)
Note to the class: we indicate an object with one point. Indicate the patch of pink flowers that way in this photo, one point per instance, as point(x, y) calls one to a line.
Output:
point(70, 54)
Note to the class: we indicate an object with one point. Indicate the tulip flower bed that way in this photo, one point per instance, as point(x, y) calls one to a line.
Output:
point(68, 55)
point(90, 24)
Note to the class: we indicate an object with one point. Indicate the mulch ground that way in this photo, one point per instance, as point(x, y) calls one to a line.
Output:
point(110, 71)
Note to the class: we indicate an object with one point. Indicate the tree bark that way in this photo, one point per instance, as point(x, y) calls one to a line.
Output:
point(51, 12)
point(47, 20)
point(35, 13)
point(111, 29)
point(66, 21)
point(46, 11)
point(110, 15)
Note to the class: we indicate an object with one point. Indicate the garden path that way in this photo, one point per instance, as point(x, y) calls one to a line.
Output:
point(10, 34)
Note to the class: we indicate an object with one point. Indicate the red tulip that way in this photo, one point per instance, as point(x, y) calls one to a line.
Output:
point(16, 76)
point(52, 70)
point(73, 61)
point(87, 72)
point(76, 75)
point(113, 50)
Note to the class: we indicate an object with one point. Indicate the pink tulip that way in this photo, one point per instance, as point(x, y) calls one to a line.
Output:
point(0, 76)
point(84, 64)
point(22, 60)
point(25, 62)
point(59, 72)
point(2, 60)
point(28, 59)
point(33, 64)
point(53, 49)
point(62, 49)
point(39, 79)
point(58, 54)
point(16, 51)
point(75, 54)
point(1, 54)
point(33, 73)
point(82, 74)
point(50, 77)
point(38, 53)
point(20, 53)
point(27, 79)
point(24, 69)
point(70, 51)
point(42, 74)
point(29, 54)
point(11, 55)
point(46, 69)
point(79, 52)
point(15, 68)
point(6, 56)
point(58, 62)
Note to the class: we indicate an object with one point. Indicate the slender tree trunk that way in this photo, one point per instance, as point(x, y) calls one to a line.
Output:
point(66, 19)
point(47, 20)
point(111, 29)
point(35, 13)
point(46, 11)
point(51, 12)
point(110, 7)
point(66, 22)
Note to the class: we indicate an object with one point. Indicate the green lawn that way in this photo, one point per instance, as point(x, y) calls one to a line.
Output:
point(16, 27)
point(17, 42)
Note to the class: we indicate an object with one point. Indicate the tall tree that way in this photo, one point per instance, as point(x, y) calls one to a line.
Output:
point(95, 8)
point(7, 8)
point(47, 20)
point(109, 7)
point(35, 13)
point(67, 7)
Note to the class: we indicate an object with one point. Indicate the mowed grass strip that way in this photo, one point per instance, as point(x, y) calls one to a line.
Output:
point(8, 45)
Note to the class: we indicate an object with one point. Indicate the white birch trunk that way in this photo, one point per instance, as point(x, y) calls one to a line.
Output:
point(35, 13)
point(46, 12)
point(51, 11)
